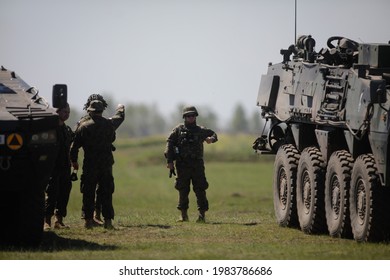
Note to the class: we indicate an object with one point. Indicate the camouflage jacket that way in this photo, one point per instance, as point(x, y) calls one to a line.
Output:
point(186, 142)
point(95, 136)
point(116, 120)
point(65, 137)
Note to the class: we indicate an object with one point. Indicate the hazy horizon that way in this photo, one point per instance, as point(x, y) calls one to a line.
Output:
point(206, 53)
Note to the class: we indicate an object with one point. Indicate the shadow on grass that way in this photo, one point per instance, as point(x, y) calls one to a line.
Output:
point(179, 223)
point(147, 225)
point(232, 223)
point(51, 242)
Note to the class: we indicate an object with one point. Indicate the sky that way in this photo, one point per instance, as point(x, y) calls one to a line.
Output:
point(169, 52)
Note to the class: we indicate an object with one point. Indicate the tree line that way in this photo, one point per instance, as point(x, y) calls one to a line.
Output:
point(146, 120)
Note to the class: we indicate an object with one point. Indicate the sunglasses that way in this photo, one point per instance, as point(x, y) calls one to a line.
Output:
point(190, 116)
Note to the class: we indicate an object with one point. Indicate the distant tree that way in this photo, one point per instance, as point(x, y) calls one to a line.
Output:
point(176, 115)
point(207, 117)
point(145, 120)
point(142, 120)
point(255, 123)
point(239, 122)
point(74, 117)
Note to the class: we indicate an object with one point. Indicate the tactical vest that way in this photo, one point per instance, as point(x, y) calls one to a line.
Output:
point(190, 142)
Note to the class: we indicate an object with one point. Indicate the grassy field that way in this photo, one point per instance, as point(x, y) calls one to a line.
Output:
point(240, 224)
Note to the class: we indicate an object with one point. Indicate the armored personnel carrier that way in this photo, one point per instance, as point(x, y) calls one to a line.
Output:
point(28, 149)
point(326, 119)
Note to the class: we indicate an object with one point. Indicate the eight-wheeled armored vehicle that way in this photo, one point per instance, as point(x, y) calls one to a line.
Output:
point(28, 149)
point(326, 119)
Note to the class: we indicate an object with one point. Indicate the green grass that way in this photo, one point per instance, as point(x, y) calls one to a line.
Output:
point(240, 224)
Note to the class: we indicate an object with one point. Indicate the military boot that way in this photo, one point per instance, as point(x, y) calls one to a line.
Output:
point(201, 217)
point(47, 223)
point(108, 224)
point(91, 223)
point(97, 217)
point(183, 216)
point(59, 224)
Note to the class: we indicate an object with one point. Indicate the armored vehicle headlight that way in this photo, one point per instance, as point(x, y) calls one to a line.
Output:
point(45, 137)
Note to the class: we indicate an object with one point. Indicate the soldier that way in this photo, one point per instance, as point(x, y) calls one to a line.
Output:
point(116, 120)
point(60, 185)
point(95, 136)
point(185, 146)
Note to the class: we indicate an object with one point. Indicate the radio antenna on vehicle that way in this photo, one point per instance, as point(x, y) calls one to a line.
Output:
point(295, 38)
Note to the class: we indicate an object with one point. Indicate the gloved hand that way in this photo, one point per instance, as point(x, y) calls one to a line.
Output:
point(171, 168)
point(73, 176)
point(172, 171)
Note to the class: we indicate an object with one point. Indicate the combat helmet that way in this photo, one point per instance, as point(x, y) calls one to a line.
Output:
point(93, 97)
point(189, 110)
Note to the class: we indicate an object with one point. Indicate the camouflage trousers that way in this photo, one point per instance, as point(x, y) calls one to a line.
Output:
point(58, 192)
point(191, 171)
point(91, 177)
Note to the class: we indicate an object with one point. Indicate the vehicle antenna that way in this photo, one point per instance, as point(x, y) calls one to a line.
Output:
point(295, 38)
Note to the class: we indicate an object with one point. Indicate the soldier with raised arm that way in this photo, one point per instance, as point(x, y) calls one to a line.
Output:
point(96, 137)
point(185, 149)
point(117, 119)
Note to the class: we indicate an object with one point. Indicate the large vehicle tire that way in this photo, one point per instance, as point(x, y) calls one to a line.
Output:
point(284, 185)
point(337, 185)
point(310, 191)
point(368, 202)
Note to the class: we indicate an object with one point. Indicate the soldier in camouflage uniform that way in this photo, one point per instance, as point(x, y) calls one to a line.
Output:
point(60, 185)
point(95, 136)
point(185, 146)
point(116, 120)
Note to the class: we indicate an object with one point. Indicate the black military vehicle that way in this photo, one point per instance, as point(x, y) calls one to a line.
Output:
point(326, 118)
point(28, 149)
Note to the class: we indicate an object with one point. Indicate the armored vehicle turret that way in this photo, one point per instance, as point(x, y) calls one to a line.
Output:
point(326, 120)
point(28, 149)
